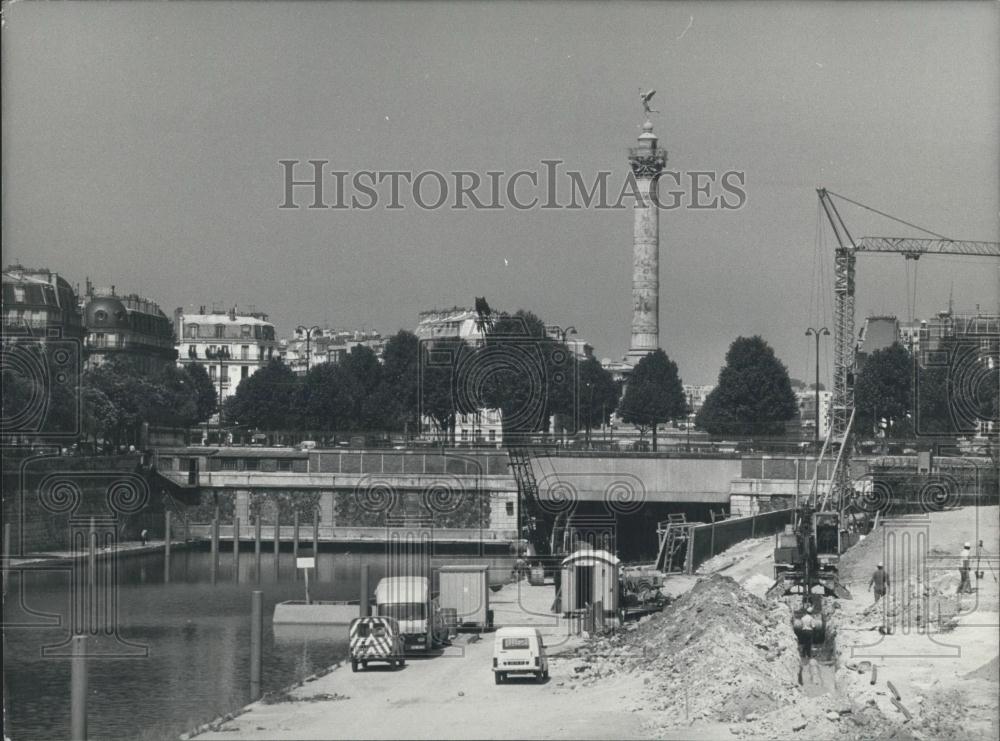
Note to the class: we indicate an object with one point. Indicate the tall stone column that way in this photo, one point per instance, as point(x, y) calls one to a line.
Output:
point(647, 161)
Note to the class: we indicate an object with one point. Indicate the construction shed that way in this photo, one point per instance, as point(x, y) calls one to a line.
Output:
point(465, 589)
point(590, 576)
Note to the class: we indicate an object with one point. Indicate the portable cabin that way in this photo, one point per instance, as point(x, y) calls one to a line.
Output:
point(465, 589)
point(590, 576)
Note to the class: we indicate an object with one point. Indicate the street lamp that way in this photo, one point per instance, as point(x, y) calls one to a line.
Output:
point(308, 332)
point(817, 333)
point(563, 333)
point(590, 406)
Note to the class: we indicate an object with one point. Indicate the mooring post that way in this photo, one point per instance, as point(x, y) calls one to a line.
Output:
point(236, 548)
point(277, 544)
point(6, 554)
point(78, 689)
point(214, 537)
point(316, 543)
point(166, 547)
point(92, 554)
point(187, 529)
point(753, 522)
point(256, 642)
point(363, 604)
point(713, 536)
point(295, 542)
point(256, 544)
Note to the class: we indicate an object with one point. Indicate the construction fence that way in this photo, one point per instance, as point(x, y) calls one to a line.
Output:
point(709, 539)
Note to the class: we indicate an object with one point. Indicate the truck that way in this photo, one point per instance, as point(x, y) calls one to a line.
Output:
point(409, 600)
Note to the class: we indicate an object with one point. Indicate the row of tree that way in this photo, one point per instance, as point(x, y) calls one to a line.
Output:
point(45, 395)
point(533, 379)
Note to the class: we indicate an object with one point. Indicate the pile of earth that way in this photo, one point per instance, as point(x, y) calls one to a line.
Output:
point(718, 653)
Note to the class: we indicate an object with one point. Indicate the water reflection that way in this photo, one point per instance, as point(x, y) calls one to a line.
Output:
point(192, 611)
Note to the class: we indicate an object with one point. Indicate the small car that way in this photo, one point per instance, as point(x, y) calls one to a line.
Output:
point(376, 639)
point(519, 650)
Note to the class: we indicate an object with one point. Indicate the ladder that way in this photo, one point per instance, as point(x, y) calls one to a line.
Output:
point(674, 533)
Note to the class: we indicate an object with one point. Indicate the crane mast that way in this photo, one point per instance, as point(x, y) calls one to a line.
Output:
point(845, 255)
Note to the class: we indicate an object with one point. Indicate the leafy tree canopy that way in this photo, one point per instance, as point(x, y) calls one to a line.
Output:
point(753, 395)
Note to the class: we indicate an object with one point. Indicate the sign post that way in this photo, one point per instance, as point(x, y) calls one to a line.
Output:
point(306, 562)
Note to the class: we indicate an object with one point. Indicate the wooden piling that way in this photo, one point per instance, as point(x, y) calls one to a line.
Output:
point(6, 554)
point(92, 554)
point(236, 548)
point(295, 543)
point(78, 689)
point(316, 543)
point(214, 535)
point(256, 544)
point(166, 547)
point(363, 607)
point(256, 643)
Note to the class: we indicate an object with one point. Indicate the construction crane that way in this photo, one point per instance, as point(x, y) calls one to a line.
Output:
point(846, 252)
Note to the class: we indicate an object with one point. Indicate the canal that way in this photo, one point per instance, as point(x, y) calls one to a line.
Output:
point(193, 628)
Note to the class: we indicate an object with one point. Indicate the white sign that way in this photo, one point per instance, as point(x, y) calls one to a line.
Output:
point(308, 562)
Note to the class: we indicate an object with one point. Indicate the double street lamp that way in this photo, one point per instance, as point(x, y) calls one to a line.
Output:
point(822, 331)
point(309, 332)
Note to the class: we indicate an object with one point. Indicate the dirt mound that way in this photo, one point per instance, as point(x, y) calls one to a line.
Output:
point(718, 653)
point(990, 671)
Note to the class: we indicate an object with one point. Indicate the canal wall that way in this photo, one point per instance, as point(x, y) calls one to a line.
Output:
point(467, 490)
point(46, 496)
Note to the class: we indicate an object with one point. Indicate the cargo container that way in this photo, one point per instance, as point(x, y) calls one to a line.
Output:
point(465, 589)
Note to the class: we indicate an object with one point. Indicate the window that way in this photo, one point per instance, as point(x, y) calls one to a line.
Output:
point(510, 509)
point(465, 434)
point(244, 371)
point(493, 435)
point(229, 464)
point(403, 611)
point(515, 643)
point(284, 465)
point(19, 294)
point(211, 372)
point(245, 352)
point(251, 464)
point(245, 330)
point(192, 351)
point(220, 331)
point(192, 330)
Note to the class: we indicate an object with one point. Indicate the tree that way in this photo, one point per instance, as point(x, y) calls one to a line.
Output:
point(884, 390)
point(266, 399)
point(175, 398)
point(599, 394)
point(206, 398)
point(328, 399)
point(524, 373)
point(442, 395)
point(362, 363)
point(398, 392)
point(653, 394)
point(753, 395)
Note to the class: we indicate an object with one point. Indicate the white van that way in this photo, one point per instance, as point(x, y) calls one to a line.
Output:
point(307, 445)
point(519, 651)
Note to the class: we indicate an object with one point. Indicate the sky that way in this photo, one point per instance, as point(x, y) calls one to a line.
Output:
point(141, 144)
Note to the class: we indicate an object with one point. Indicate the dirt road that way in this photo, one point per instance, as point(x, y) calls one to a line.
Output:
point(453, 695)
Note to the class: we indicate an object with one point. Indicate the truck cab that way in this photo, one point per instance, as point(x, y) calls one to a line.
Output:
point(408, 601)
point(519, 650)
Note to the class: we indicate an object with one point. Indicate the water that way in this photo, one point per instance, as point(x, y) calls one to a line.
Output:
point(197, 634)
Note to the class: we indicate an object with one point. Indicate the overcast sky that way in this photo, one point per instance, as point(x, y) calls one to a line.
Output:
point(141, 145)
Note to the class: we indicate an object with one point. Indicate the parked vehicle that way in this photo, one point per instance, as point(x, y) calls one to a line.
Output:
point(464, 590)
point(518, 650)
point(375, 639)
point(307, 445)
point(409, 601)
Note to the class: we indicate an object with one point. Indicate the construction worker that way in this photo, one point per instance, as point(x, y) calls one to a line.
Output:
point(965, 585)
point(808, 625)
point(880, 581)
